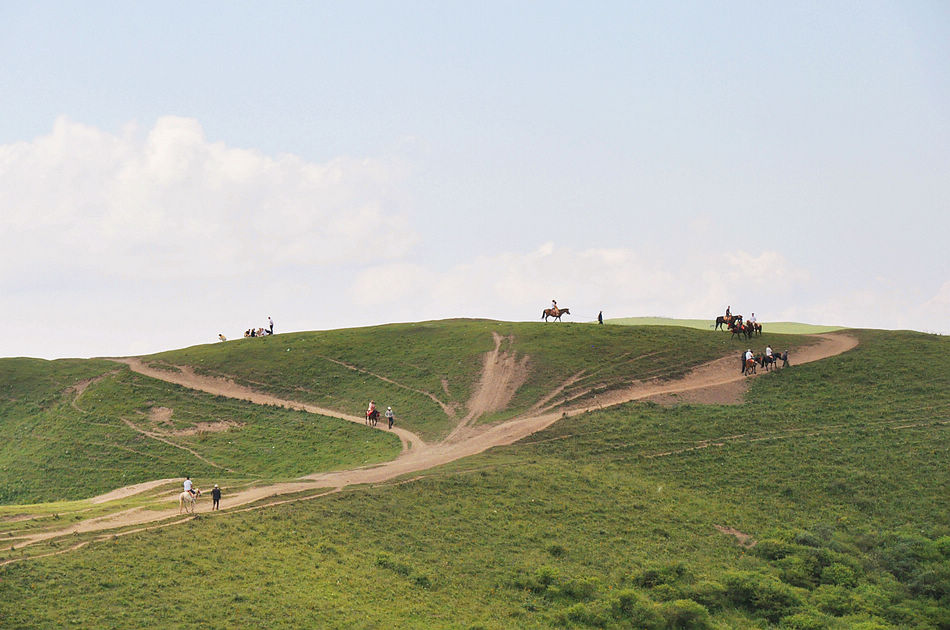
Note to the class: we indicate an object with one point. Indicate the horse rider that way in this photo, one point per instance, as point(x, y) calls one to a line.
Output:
point(751, 320)
point(728, 312)
point(768, 352)
point(371, 408)
point(188, 486)
point(554, 308)
point(748, 354)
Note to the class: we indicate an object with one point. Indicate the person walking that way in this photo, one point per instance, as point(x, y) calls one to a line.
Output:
point(600, 318)
point(390, 416)
point(215, 497)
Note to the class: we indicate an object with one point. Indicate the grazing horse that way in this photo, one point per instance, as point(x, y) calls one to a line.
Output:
point(186, 501)
point(556, 314)
point(372, 417)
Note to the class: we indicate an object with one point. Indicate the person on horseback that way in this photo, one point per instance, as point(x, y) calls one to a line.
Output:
point(768, 351)
point(554, 308)
point(189, 486)
point(728, 312)
point(748, 354)
point(371, 408)
point(751, 320)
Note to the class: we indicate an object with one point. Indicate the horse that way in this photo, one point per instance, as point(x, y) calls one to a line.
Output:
point(768, 362)
point(372, 417)
point(186, 501)
point(740, 329)
point(727, 320)
point(556, 314)
point(749, 366)
point(757, 328)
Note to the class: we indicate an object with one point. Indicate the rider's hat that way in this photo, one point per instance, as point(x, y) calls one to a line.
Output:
point(390, 408)
point(215, 485)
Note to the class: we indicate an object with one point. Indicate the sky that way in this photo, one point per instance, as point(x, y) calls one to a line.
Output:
point(169, 172)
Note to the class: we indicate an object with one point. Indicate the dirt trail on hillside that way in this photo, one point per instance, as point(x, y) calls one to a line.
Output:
point(500, 371)
point(186, 377)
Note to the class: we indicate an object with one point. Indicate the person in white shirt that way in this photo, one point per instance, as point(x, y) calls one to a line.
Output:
point(188, 486)
point(390, 416)
point(768, 351)
point(752, 319)
point(748, 354)
point(271, 323)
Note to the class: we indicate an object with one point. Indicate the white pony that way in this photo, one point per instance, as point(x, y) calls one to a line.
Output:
point(186, 501)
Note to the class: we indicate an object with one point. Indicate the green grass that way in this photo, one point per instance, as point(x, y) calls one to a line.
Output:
point(782, 328)
point(57, 446)
point(837, 468)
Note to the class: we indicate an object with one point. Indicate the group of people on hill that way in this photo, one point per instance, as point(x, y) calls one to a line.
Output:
point(255, 332)
point(372, 414)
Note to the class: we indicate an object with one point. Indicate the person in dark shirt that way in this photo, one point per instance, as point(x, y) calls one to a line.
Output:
point(215, 497)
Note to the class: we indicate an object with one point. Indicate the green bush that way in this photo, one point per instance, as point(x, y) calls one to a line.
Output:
point(805, 621)
point(685, 614)
point(629, 605)
point(665, 574)
point(712, 595)
point(760, 594)
point(839, 574)
point(834, 600)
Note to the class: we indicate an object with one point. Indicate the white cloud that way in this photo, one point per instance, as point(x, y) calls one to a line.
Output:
point(173, 205)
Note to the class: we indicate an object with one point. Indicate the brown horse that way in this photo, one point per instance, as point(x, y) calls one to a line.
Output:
point(727, 321)
point(556, 314)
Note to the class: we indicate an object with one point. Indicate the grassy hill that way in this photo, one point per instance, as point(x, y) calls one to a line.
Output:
point(819, 503)
point(782, 328)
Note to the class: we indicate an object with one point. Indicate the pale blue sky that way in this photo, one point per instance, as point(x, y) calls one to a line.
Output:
point(804, 145)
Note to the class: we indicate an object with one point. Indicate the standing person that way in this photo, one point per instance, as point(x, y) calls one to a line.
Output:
point(600, 318)
point(742, 362)
point(215, 497)
point(390, 416)
point(270, 322)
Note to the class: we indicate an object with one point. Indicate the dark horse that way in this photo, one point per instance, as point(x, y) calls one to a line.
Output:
point(550, 312)
point(372, 417)
point(757, 328)
point(740, 329)
point(727, 321)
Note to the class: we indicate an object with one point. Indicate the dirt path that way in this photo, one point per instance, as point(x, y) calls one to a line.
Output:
point(501, 371)
point(186, 377)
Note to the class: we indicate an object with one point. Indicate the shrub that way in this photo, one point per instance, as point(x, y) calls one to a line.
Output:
point(630, 605)
point(685, 614)
point(581, 588)
point(760, 594)
point(666, 574)
point(712, 595)
point(833, 600)
point(839, 574)
point(801, 571)
point(771, 549)
point(805, 621)
point(581, 613)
